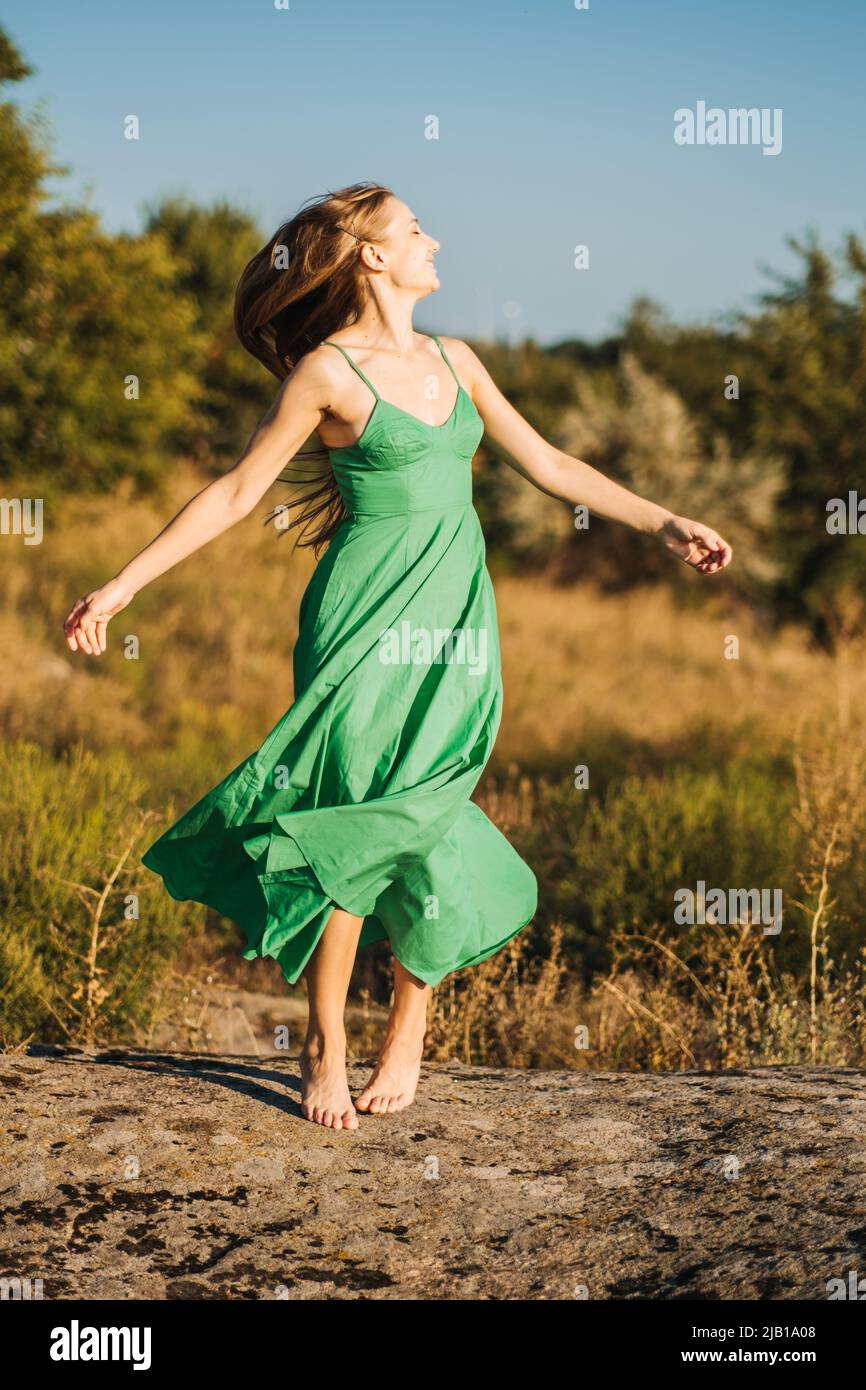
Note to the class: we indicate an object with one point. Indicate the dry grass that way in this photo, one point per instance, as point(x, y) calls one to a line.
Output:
point(717, 999)
point(215, 640)
point(643, 669)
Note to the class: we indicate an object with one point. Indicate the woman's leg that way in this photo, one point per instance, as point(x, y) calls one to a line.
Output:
point(325, 1094)
point(392, 1085)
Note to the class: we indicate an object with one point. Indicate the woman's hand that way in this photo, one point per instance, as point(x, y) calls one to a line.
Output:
point(88, 619)
point(700, 546)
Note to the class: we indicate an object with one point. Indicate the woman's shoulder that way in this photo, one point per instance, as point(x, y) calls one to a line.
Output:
point(459, 352)
point(466, 364)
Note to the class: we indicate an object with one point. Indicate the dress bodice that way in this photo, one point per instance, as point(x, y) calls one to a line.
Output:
point(401, 464)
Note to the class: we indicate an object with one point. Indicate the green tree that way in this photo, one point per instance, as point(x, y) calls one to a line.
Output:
point(210, 247)
point(98, 346)
point(809, 353)
point(696, 361)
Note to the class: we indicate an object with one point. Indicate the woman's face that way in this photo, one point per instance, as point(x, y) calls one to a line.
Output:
point(409, 251)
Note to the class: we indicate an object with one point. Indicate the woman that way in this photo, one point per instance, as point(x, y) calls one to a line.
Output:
point(353, 821)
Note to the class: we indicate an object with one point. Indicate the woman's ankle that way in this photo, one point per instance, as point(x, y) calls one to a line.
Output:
point(411, 1031)
point(321, 1042)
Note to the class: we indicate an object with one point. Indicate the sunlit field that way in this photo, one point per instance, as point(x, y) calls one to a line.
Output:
point(646, 745)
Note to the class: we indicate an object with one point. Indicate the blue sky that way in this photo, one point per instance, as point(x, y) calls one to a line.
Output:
point(555, 129)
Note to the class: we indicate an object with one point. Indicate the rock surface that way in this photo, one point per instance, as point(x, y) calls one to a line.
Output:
point(131, 1174)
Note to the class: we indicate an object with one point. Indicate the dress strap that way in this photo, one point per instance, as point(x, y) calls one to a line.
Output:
point(328, 343)
point(447, 359)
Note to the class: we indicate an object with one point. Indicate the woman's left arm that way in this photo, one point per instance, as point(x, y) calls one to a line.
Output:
point(560, 475)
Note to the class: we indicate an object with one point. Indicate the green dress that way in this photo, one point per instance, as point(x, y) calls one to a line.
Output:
point(360, 795)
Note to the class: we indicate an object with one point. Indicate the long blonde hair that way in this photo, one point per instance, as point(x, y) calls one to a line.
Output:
point(300, 288)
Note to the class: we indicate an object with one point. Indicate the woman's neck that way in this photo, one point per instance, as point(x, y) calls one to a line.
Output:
point(386, 328)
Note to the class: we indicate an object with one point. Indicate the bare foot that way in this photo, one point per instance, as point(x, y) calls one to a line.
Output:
point(395, 1076)
point(325, 1097)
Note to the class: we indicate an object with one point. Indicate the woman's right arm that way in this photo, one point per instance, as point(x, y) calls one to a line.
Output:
point(296, 412)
